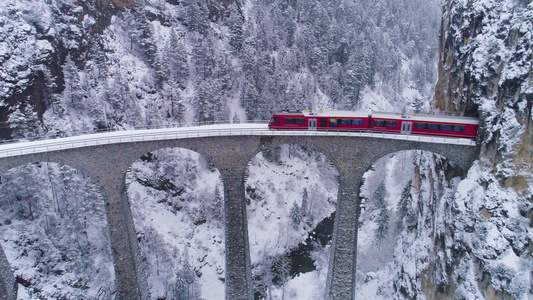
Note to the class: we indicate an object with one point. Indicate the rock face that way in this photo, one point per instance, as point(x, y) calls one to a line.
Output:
point(485, 69)
point(484, 54)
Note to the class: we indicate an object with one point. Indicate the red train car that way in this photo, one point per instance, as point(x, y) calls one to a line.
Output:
point(321, 120)
point(463, 127)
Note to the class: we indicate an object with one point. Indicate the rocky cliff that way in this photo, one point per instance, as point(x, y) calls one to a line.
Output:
point(485, 69)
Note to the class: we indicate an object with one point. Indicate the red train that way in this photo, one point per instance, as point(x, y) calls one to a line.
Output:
point(462, 127)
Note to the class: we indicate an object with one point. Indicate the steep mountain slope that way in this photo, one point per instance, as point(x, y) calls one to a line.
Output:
point(69, 67)
point(53, 230)
point(470, 238)
point(485, 63)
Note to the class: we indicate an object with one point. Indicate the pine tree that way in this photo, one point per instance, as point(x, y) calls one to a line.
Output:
point(24, 123)
point(73, 93)
point(175, 64)
point(145, 37)
point(383, 217)
point(172, 93)
point(218, 205)
point(195, 15)
point(235, 22)
point(404, 204)
point(295, 214)
point(305, 203)
point(203, 102)
point(417, 105)
point(250, 101)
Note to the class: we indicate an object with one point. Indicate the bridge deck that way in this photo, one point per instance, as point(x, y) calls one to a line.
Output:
point(128, 136)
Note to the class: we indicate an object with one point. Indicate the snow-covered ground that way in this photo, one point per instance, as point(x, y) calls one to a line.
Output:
point(394, 251)
point(177, 206)
point(289, 190)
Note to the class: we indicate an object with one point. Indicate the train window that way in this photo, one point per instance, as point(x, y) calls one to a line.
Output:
point(446, 127)
point(294, 120)
point(420, 125)
point(433, 126)
point(459, 128)
point(379, 123)
point(333, 122)
point(344, 121)
point(323, 122)
point(275, 120)
point(390, 123)
point(357, 122)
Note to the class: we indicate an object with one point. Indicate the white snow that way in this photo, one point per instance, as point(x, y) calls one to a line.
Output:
point(182, 234)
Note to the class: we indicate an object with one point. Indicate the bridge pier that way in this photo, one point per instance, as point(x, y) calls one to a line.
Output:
point(341, 275)
point(238, 265)
point(8, 286)
point(131, 280)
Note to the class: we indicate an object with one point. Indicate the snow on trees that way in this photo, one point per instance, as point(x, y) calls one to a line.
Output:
point(383, 218)
point(178, 213)
point(404, 205)
point(282, 215)
point(54, 233)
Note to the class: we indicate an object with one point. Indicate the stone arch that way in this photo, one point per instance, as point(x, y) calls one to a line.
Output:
point(176, 196)
point(457, 155)
point(55, 211)
point(423, 176)
point(291, 194)
point(458, 165)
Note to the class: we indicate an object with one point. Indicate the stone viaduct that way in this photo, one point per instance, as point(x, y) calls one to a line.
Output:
point(107, 165)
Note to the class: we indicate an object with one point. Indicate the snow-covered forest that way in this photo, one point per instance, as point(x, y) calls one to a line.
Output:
point(70, 67)
point(54, 233)
point(177, 206)
point(427, 230)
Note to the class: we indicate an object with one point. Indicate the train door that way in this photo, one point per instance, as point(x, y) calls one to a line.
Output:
point(406, 127)
point(312, 124)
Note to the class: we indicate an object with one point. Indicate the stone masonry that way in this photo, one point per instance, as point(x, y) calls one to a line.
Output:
point(7, 281)
point(107, 165)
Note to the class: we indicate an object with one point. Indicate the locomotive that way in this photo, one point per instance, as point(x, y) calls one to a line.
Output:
point(383, 122)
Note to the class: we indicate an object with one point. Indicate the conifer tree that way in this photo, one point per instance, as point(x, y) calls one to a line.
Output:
point(404, 204)
point(235, 22)
point(145, 37)
point(175, 60)
point(383, 218)
point(295, 214)
point(73, 93)
point(305, 203)
point(24, 123)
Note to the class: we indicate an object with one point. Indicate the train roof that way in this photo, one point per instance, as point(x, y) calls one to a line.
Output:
point(328, 113)
point(290, 112)
point(383, 115)
point(337, 113)
point(426, 118)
